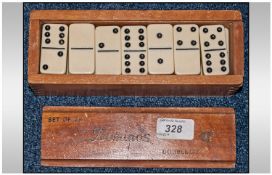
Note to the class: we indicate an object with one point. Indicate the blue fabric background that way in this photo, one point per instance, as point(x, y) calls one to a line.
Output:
point(33, 104)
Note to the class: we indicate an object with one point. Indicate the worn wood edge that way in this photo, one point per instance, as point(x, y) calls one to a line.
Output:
point(210, 110)
point(208, 15)
point(33, 48)
point(133, 90)
point(134, 80)
point(138, 163)
point(238, 35)
point(40, 91)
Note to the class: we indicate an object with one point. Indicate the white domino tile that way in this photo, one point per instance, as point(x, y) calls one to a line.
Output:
point(53, 58)
point(160, 49)
point(108, 50)
point(81, 49)
point(215, 60)
point(186, 49)
point(134, 50)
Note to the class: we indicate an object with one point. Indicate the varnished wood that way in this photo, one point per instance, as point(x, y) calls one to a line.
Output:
point(83, 137)
point(149, 85)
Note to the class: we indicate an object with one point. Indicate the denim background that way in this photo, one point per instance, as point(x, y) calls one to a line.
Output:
point(33, 104)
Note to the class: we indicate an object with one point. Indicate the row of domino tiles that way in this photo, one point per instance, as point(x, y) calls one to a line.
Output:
point(183, 49)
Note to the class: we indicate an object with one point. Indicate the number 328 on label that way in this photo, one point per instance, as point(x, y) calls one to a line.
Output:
point(178, 129)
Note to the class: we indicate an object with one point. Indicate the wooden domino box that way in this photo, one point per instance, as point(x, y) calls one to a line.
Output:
point(138, 137)
point(131, 85)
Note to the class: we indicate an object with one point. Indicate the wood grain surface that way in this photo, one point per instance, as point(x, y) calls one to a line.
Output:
point(149, 85)
point(127, 137)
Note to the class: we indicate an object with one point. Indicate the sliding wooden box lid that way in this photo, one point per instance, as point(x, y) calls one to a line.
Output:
point(148, 85)
point(138, 137)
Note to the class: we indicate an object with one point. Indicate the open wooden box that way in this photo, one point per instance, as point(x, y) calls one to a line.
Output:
point(149, 85)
